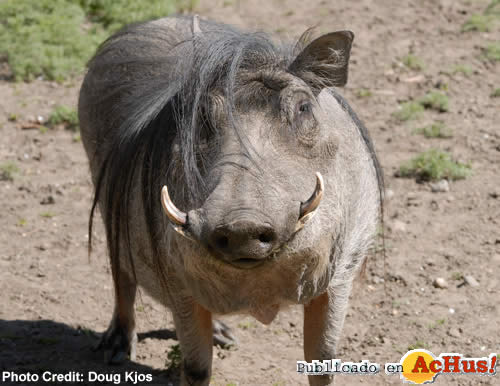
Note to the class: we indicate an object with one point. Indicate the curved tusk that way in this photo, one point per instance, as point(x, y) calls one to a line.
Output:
point(307, 208)
point(312, 204)
point(175, 215)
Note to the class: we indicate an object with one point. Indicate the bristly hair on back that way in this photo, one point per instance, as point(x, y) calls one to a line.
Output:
point(154, 85)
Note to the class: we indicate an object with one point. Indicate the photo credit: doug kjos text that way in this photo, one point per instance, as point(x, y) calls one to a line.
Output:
point(84, 377)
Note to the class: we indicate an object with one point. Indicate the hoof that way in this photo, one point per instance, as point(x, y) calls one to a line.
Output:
point(117, 345)
point(223, 336)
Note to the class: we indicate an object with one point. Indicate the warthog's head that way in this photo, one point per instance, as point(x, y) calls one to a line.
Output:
point(269, 180)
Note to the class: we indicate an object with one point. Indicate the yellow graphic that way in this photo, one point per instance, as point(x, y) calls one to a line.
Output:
point(417, 366)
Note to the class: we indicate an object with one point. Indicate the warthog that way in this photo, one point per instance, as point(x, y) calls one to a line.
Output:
point(269, 183)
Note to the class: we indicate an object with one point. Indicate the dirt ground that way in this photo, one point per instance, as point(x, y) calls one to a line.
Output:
point(55, 301)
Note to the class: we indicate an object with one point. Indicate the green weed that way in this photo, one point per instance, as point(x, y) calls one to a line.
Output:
point(174, 357)
point(46, 38)
point(492, 51)
point(436, 130)
point(434, 165)
point(495, 93)
point(493, 8)
point(247, 325)
point(364, 93)
point(114, 14)
point(408, 111)
point(462, 69)
point(413, 62)
point(418, 344)
point(438, 322)
point(435, 100)
point(64, 115)
point(479, 22)
point(8, 171)
point(47, 214)
point(484, 22)
point(55, 38)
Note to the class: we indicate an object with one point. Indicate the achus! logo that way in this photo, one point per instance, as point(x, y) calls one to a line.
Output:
point(422, 366)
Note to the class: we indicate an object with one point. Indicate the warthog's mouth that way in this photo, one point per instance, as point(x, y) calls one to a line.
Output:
point(180, 222)
point(247, 263)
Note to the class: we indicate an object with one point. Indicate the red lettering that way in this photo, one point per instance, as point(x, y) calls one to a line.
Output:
point(450, 361)
point(482, 366)
point(493, 363)
point(420, 364)
point(433, 366)
point(469, 366)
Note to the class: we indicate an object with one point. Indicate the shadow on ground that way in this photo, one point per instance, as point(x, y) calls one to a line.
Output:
point(45, 345)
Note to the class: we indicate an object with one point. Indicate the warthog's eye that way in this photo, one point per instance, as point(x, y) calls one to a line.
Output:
point(304, 107)
point(304, 122)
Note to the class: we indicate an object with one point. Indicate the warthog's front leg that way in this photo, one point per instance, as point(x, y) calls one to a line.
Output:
point(323, 320)
point(120, 339)
point(193, 325)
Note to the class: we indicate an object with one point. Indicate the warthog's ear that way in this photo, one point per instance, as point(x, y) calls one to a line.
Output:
point(324, 62)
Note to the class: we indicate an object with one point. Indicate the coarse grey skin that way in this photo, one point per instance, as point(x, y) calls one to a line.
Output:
point(275, 120)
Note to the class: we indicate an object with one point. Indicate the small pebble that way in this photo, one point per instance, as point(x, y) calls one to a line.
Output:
point(399, 226)
point(440, 283)
point(471, 281)
point(389, 193)
point(440, 186)
point(451, 310)
point(454, 332)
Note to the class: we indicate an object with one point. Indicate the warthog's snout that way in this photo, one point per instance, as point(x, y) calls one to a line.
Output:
point(244, 239)
point(244, 242)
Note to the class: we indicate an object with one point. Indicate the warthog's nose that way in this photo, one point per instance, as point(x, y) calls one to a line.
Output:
point(243, 243)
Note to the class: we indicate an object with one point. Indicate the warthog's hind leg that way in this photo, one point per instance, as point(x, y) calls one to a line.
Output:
point(323, 320)
point(223, 335)
point(120, 339)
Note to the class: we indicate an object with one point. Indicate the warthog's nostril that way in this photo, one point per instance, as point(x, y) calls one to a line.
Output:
point(222, 242)
point(266, 237)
